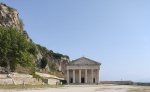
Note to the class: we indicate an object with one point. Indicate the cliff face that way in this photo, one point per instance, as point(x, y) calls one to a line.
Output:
point(56, 62)
point(9, 17)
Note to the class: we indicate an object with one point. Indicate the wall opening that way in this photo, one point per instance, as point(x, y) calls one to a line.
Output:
point(93, 80)
point(82, 80)
point(71, 80)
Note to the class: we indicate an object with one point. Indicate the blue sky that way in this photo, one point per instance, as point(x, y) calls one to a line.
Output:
point(113, 32)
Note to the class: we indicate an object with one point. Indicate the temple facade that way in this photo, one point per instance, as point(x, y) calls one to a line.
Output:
point(83, 70)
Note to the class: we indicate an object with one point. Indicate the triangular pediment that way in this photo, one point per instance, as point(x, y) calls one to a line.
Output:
point(84, 61)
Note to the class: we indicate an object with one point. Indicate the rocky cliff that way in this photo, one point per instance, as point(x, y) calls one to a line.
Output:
point(56, 62)
point(9, 17)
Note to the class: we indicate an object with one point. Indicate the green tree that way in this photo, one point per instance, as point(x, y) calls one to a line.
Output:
point(14, 49)
point(33, 49)
point(57, 55)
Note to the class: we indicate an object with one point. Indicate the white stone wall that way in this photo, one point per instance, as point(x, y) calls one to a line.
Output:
point(31, 81)
point(2, 76)
point(18, 79)
point(51, 81)
point(6, 81)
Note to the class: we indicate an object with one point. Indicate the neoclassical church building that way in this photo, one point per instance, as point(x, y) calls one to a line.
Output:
point(83, 70)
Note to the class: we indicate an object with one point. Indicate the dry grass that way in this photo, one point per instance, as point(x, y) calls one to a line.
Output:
point(28, 86)
point(23, 70)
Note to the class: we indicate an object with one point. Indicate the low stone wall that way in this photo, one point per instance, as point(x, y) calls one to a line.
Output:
point(21, 75)
point(31, 81)
point(3, 76)
point(6, 79)
point(117, 82)
point(15, 75)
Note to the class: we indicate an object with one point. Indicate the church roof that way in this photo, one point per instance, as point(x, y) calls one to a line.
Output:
point(84, 60)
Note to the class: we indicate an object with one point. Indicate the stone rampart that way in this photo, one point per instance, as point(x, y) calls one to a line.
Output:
point(16, 79)
point(7, 81)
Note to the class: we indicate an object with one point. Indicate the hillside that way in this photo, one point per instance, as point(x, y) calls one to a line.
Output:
point(41, 59)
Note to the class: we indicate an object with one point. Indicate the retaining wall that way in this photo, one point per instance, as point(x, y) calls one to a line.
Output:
point(6, 79)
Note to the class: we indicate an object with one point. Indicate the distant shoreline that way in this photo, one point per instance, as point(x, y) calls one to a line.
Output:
point(142, 83)
point(126, 83)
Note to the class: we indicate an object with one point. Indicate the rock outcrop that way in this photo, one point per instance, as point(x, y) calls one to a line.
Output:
point(9, 17)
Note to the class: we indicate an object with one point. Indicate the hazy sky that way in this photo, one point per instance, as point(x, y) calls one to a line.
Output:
point(113, 32)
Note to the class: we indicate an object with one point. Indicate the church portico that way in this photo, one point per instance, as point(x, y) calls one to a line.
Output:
point(83, 70)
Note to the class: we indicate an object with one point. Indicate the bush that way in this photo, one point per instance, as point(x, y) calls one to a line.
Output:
point(44, 62)
point(14, 49)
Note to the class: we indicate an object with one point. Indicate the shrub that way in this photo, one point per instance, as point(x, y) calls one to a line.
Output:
point(44, 62)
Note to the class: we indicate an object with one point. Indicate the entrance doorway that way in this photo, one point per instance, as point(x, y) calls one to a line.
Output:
point(71, 80)
point(82, 80)
point(93, 80)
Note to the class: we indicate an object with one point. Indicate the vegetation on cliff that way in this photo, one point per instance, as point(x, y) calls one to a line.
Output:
point(14, 49)
point(51, 62)
point(44, 51)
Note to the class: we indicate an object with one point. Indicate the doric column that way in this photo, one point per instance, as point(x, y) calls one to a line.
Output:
point(92, 75)
point(79, 75)
point(85, 75)
point(73, 76)
point(68, 76)
point(97, 75)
